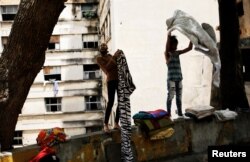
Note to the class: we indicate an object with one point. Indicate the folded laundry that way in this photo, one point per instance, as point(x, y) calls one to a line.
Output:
point(155, 114)
point(148, 125)
point(199, 112)
point(154, 124)
point(161, 133)
point(224, 115)
point(159, 113)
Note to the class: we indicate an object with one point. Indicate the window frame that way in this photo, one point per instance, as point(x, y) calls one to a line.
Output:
point(90, 41)
point(89, 10)
point(7, 14)
point(87, 74)
point(49, 103)
point(89, 103)
point(52, 73)
point(54, 43)
point(18, 137)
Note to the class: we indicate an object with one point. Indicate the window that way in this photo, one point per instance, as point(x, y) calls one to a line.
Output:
point(54, 43)
point(90, 41)
point(106, 28)
point(9, 12)
point(53, 104)
point(18, 138)
point(52, 73)
point(89, 10)
point(93, 103)
point(91, 71)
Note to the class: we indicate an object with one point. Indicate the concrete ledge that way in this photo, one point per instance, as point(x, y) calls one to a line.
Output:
point(190, 140)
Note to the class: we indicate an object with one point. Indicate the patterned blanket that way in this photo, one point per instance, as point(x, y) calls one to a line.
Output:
point(125, 89)
point(156, 114)
point(148, 125)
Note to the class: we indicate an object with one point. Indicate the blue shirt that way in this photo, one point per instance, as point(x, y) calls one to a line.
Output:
point(174, 67)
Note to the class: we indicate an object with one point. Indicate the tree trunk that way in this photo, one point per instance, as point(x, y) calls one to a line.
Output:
point(23, 58)
point(232, 90)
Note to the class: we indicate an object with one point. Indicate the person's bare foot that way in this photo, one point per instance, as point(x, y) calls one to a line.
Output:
point(106, 128)
point(117, 126)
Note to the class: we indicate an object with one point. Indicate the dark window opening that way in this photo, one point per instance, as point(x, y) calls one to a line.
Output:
point(90, 44)
point(93, 103)
point(51, 46)
point(54, 42)
point(9, 12)
point(18, 138)
point(52, 73)
point(91, 71)
point(91, 67)
point(8, 17)
point(52, 77)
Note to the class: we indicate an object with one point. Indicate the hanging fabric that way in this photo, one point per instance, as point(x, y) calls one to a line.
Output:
point(125, 89)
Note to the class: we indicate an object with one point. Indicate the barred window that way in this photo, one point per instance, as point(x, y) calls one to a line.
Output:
point(93, 103)
point(53, 104)
point(91, 71)
point(18, 138)
point(90, 41)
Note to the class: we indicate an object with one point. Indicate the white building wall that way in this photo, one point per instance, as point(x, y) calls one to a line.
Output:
point(34, 106)
point(39, 77)
point(71, 104)
point(139, 29)
point(74, 72)
point(71, 42)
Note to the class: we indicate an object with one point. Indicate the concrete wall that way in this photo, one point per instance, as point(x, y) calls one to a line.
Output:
point(188, 143)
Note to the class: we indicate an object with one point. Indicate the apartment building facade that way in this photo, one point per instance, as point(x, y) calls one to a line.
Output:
point(138, 27)
point(67, 91)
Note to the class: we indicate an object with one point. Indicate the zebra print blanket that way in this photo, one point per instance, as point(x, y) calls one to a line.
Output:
point(125, 89)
